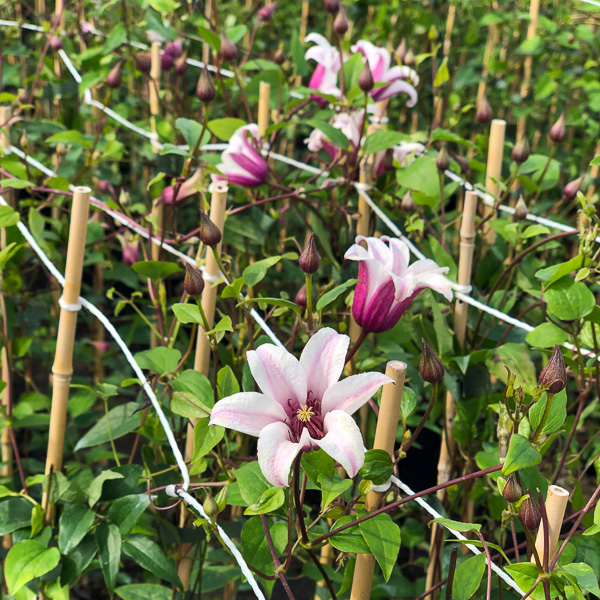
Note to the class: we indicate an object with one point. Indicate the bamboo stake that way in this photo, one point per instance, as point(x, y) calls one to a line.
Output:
point(264, 97)
point(208, 11)
point(556, 504)
point(449, 27)
point(155, 69)
point(594, 173)
point(494, 171)
point(303, 28)
point(385, 437)
point(158, 217)
point(62, 368)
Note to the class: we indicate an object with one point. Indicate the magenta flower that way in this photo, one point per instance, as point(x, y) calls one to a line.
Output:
point(396, 77)
point(349, 124)
point(188, 188)
point(387, 285)
point(303, 406)
point(242, 163)
point(324, 79)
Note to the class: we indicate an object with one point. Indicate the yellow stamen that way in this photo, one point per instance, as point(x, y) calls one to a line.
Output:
point(304, 413)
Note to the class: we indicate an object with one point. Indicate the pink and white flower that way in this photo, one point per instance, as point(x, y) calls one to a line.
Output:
point(302, 407)
point(328, 60)
point(406, 152)
point(349, 124)
point(387, 284)
point(242, 163)
point(396, 77)
point(188, 188)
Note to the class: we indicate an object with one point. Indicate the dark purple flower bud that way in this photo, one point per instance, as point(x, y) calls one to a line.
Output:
point(143, 62)
point(279, 56)
point(365, 80)
point(166, 61)
point(572, 188)
point(521, 211)
point(309, 260)
point(463, 163)
point(331, 6)
point(530, 513)
point(209, 232)
point(520, 151)
point(193, 284)
point(484, 114)
point(512, 491)
point(300, 298)
point(56, 43)
point(228, 50)
point(558, 131)
point(554, 374)
point(266, 12)
point(431, 367)
point(115, 77)
point(174, 49)
point(205, 90)
point(181, 65)
point(341, 25)
point(131, 254)
point(442, 162)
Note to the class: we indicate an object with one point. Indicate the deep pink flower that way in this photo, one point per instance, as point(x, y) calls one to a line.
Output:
point(324, 79)
point(186, 189)
point(303, 406)
point(242, 163)
point(266, 12)
point(387, 285)
point(131, 253)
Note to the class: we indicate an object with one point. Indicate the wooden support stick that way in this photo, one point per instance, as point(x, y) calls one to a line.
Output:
point(264, 97)
point(494, 171)
point(594, 173)
point(62, 368)
point(385, 437)
point(155, 70)
point(449, 27)
point(303, 28)
point(158, 217)
point(208, 13)
point(5, 113)
point(556, 504)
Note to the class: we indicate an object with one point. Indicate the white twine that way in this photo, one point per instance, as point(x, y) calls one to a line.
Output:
point(69, 307)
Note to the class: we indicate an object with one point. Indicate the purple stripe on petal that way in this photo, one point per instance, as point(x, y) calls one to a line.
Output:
point(255, 168)
point(317, 77)
point(243, 181)
point(360, 293)
point(375, 314)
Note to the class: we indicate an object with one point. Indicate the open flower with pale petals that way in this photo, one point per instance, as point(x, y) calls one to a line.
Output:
point(387, 284)
point(406, 152)
point(242, 163)
point(349, 124)
point(324, 79)
point(397, 77)
point(302, 407)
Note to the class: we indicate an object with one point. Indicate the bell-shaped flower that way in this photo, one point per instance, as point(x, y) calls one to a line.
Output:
point(396, 78)
point(387, 284)
point(328, 60)
point(406, 152)
point(184, 190)
point(242, 163)
point(302, 407)
point(349, 124)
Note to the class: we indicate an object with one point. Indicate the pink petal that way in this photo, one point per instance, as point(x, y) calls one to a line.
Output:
point(317, 77)
point(323, 359)
point(276, 453)
point(278, 374)
point(374, 314)
point(395, 87)
point(343, 441)
point(356, 252)
point(351, 393)
point(247, 412)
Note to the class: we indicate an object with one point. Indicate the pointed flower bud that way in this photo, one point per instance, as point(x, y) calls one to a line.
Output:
point(174, 49)
point(266, 12)
point(205, 90)
point(193, 284)
point(521, 211)
point(558, 131)
point(331, 6)
point(300, 298)
point(131, 254)
point(341, 25)
point(56, 43)
point(365, 81)
point(104, 186)
point(143, 62)
point(166, 61)
point(24, 141)
point(409, 59)
point(401, 51)
point(408, 202)
point(431, 367)
point(512, 491)
point(571, 189)
point(520, 151)
point(115, 77)
point(530, 513)
point(211, 508)
point(309, 260)
point(554, 374)
point(463, 163)
point(484, 114)
point(442, 162)
point(228, 50)
point(209, 232)
point(181, 65)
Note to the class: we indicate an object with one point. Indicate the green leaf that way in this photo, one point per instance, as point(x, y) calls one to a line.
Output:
point(225, 128)
point(155, 269)
point(546, 335)
point(118, 36)
point(378, 467)
point(534, 230)
point(233, 289)
point(274, 302)
point(467, 577)
point(222, 326)
point(191, 131)
point(535, 165)
point(408, 403)
point(334, 135)
point(206, 437)
point(160, 360)
point(421, 176)
point(595, 162)
point(26, 561)
point(382, 536)
point(108, 541)
point(15, 513)
point(442, 74)
point(95, 488)
point(74, 523)
point(188, 405)
point(525, 574)
point(269, 501)
point(521, 454)
point(256, 272)
point(197, 384)
point(352, 70)
point(517, 358)
point(187, 313)
point(328, 297)
point(585, 576)
point(300, 63)
point(164, 6)
point(149, 556)
point(15, 184)
point(144, 591)
point(569, 300)
point(126, 511)
point(551, 274)
point(351, 539)
point(69, 137)
point(332, 486)
point(254, 544)
point(557, 416)
point(382, 140)
point(8, 216)
point(457, 525)
point(122, 420)
point(227, 384)
point(252, 482)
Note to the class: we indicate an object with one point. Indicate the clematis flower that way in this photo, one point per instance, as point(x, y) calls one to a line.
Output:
point(397, 77)
point(324, 79)
point(387, 284)
point(185, 190)
point(302, 407)
point(349, 124)
point(242, 163)
point(406, 152)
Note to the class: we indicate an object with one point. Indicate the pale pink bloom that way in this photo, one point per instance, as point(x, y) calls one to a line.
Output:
point(406, 152)
point(302, 407)
point(349, 124)
point(242, 163)
point(188, 188)
point(324, 79)
point(396, 77)
point(387, 285)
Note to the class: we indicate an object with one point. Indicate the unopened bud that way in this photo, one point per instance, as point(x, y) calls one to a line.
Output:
point(431, 367)
point(442, 162)
point(530, 513)
point(193, 284)
point(554, 374)
point(181, 65)
point(409, 58)
point(166, 61)
point(300, 298)
point(228, 50)
point(365, 81)
point(558, 131)
point(123, 198)
point(24, 141)
point(484, 114)
point(104, 186)
point(309, 260)
point(520, 151)
point(331, 6)
point(512, 491)
point(211, 508)
point(174, 49)
point(143, 62)
point(408, 202)
point(209, 232)
point(56, 43)
point(463, 163)
point(279, 56)
point(115, 77)
point(570, 190)
point(341, 25)
point(401, 52)
point(205, 90)
point(131, 254)
point(266, 12)
point(521, 211)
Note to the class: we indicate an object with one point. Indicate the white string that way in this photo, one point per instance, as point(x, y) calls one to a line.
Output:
point(69, 307)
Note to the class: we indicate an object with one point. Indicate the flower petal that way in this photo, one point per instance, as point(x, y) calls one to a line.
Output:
point(279, 375)
point(323, 359)
point(276, 453)
point(343, 441)
point(247, 412)
point(351, 393)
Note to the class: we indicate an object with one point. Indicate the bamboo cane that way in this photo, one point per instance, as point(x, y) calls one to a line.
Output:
point(264, 97)
point(556, 504)
point(594, 173)
point(385, 437)
point(303, 28)
point(62, 368)
point(208, 13)
point(40, 9)
point(494, 171)
point(449, 27)
point(155, 70)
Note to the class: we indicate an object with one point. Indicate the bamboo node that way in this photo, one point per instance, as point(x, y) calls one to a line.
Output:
point(69, 307)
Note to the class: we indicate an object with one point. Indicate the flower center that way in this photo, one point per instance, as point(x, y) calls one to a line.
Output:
point(304, 413)
point(307, 416)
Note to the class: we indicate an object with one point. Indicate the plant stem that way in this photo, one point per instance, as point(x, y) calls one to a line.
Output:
point(563, 456)
point(357, 344)
point(112, 441)
point(451, 570)
point(434, 389)
point(275, 558)
point(309, 311)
